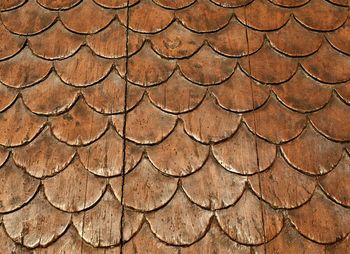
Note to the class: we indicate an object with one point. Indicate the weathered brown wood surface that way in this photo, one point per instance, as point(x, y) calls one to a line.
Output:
point(175, 126)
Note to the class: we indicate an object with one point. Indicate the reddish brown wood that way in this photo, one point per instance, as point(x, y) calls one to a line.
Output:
point(158, 126)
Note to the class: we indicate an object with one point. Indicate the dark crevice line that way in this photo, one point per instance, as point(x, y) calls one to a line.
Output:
point(255, 133)
point(124, 128)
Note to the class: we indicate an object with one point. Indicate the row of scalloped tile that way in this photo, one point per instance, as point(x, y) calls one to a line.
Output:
point(202, 16)
point(337, 191)
point(215, 241)
point(146, 68)
point(104, 156)
point(176, 95)
point(180, 4)
point(176, 41)
point(318, 219)
point(155, 178)
point(148, 124)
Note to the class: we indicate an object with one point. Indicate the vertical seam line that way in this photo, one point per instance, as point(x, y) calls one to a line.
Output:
point(124, 128)
point(255, 128)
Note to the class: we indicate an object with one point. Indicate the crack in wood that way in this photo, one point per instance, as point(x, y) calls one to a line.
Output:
point(255, 130)
point(124, 128)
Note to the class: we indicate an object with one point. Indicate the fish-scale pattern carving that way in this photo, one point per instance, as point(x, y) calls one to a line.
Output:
point(209, 126)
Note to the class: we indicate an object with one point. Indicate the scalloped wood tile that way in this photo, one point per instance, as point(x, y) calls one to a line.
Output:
point(189, 126)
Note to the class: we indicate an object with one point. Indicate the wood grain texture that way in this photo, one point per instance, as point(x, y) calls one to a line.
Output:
point(181, 127)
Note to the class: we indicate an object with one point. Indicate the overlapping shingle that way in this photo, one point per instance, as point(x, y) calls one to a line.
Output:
point(204, 16)
point(55, 96)
point(287, 39)
point(157, 126)
point(213, 187)
point(313, 220)
point(203, 126)
point(176, 41)
point(28, 125)
point(29, 19)
point(197, 69)
point(105, 156)
point(281, 68)
point(248, 147)
point(24, 69)
point(328, 65)
point(338, 113)
point(146, 68)
point(335, 183)
point(169, 224)
point(76, 19)
point(321, 15)
point(28, 225)
point(8, 96)
point(40, 158)
point(275, 123)
point(312, 153)
point(245, 221)
point(187, 155)
point(235, 94)
point(263, 15)
point(289, 93)
point(145, 241)
point(176, 95)
point(10, 43)
point(74, 189)
point(55, 43)
point(282, 186)
point(232, 40)
point(26, 187)
point(145, 188)
point(289, 241)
